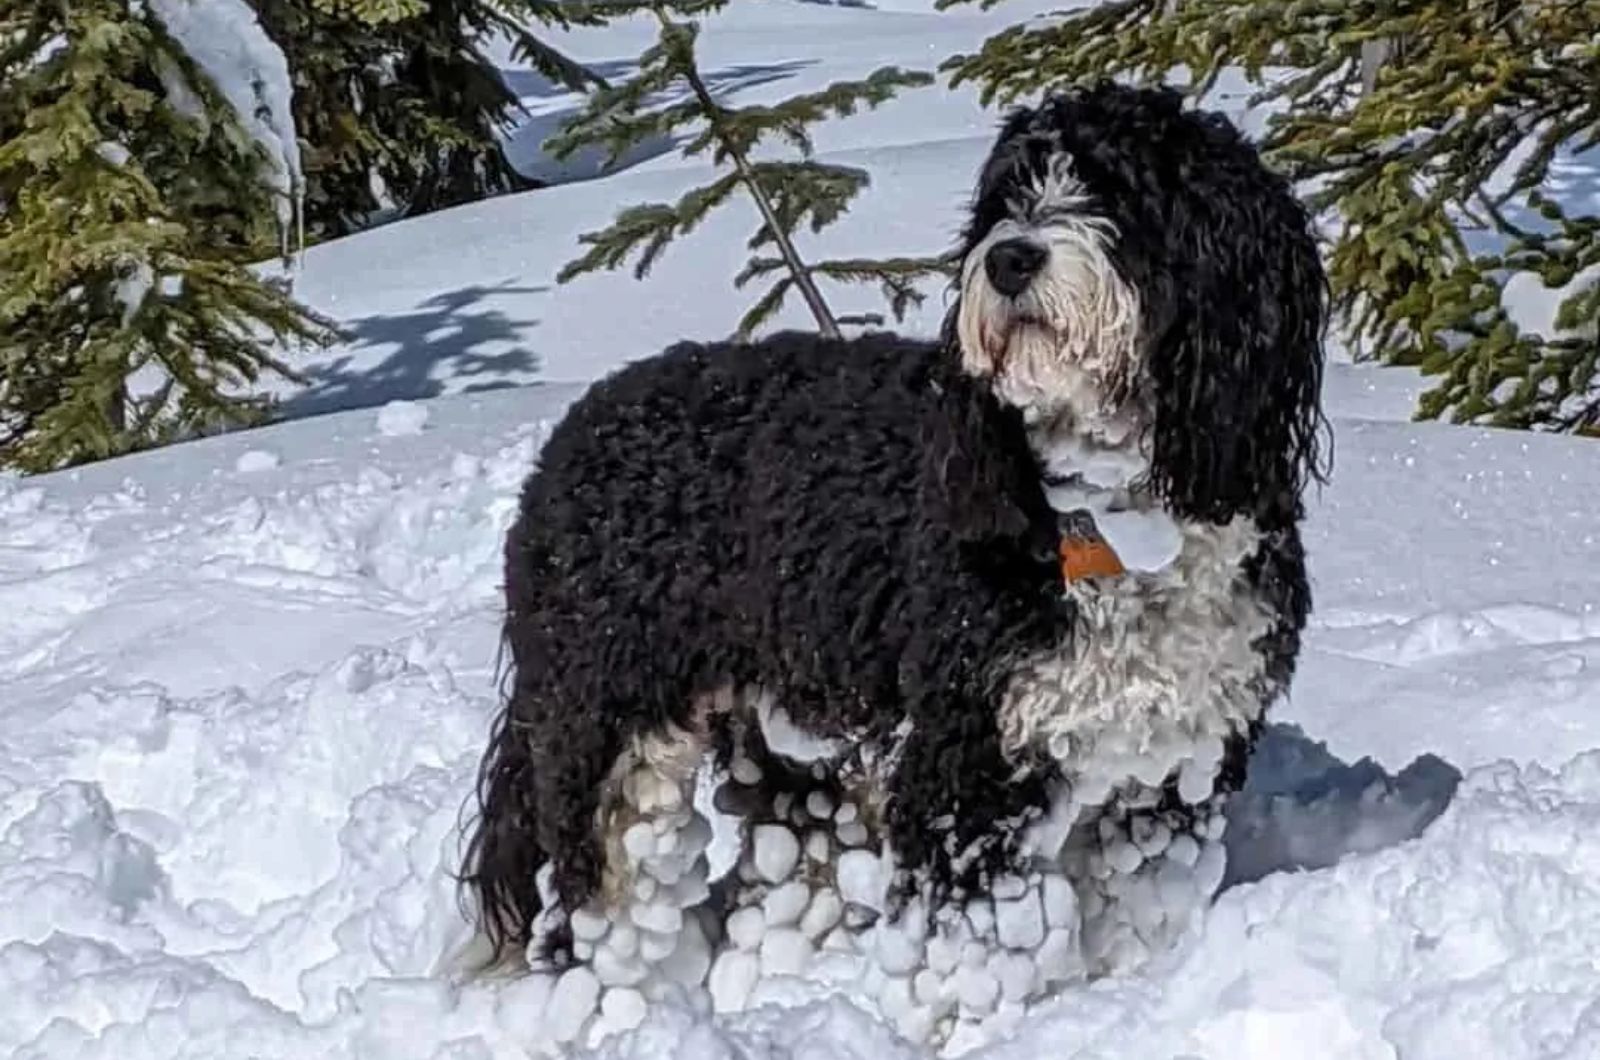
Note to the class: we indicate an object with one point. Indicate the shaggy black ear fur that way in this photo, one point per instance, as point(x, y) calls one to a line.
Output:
point(1226, 265)
point(1237, 371)
point(981, 479)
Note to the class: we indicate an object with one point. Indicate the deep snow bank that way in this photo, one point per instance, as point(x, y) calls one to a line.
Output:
point(248, 679)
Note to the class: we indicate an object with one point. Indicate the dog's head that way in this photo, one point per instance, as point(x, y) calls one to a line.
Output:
point(1130, 264)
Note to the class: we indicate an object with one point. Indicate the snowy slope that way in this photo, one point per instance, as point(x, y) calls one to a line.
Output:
point(467, 299)
point(246, 680)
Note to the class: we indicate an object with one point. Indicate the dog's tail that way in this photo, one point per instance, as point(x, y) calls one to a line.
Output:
point(501, 865)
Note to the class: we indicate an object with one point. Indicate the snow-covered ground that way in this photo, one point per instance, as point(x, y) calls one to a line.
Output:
point(247, 680)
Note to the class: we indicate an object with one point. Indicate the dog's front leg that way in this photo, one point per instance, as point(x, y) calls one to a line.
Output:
point(967, 933)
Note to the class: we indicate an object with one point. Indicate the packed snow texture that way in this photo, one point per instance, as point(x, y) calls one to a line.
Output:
point(402, 417)
point(248, 679)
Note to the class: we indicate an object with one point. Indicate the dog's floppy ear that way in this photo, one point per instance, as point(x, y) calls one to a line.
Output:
point(1237, 363)
point(980, 479)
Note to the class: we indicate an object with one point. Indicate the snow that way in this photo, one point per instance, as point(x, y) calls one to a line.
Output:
point(114, 153)
point(776, 852)
point(224, 38)
point(133, 287)
point(861, 878)
point(248, 680)
point(402, 417)
point(255, 460)
point(260, 813)
point(1533, 307)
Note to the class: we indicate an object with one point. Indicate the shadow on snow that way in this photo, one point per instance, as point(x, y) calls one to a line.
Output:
point(1302, 808)
point(452, 337)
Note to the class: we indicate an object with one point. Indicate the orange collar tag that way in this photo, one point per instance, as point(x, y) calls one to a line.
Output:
point(1083, 557)
point(1084, 553)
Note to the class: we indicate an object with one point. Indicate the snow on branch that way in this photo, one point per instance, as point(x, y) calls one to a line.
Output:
point(225, 39)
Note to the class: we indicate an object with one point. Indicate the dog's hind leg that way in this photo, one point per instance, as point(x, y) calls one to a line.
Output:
point(643, 936)
point(802, 813)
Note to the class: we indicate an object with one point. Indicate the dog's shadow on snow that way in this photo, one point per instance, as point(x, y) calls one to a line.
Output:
point(452, 335)
point(1303, 808)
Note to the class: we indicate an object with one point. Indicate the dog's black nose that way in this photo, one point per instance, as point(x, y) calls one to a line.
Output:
point(1013, 263)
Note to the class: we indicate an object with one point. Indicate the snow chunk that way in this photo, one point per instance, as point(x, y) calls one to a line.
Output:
point(977, 989)
point(1143, 540)
point(777, 852)
point(784, 737)
point(623, 1008)
point(572, 1003)
point(733, 978)
point(254, 460)
point(1020, 921)
point(784, 951)
point(1105, 464)
point(745, 927)
point(784, 905)
point(862, 878)
point(399, 418)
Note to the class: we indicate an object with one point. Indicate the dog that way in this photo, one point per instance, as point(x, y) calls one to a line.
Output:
point(973, 635)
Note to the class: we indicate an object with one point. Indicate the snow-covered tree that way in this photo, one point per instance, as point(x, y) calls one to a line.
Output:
point(1434, 133)
point(147, 155)
point(669, 97)
point(398, 103)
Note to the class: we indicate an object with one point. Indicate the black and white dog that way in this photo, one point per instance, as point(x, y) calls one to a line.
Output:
point(976, 634)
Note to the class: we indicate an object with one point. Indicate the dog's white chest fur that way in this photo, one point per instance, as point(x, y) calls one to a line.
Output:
point(1161, 668)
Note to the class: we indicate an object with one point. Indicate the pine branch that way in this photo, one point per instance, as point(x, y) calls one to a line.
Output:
point(740, 130)
point(669, 98)
point(896, 278)
point(651, 227)
point(127, 225)
point(674, 37)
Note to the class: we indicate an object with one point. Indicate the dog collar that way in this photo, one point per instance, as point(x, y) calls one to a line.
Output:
point(1084, 552)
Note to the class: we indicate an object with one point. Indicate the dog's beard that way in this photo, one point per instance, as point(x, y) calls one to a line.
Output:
point(1069, 342)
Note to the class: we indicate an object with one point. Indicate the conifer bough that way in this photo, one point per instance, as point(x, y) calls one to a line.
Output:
point(785, 193)
point(131, 204)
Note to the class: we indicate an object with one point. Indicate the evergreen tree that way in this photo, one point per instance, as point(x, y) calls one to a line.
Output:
point(1429, 128)
point(786, 193)
point(398, 105)
point(131, 200)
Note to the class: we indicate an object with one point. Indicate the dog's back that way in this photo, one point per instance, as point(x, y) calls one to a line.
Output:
point(742, 493)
